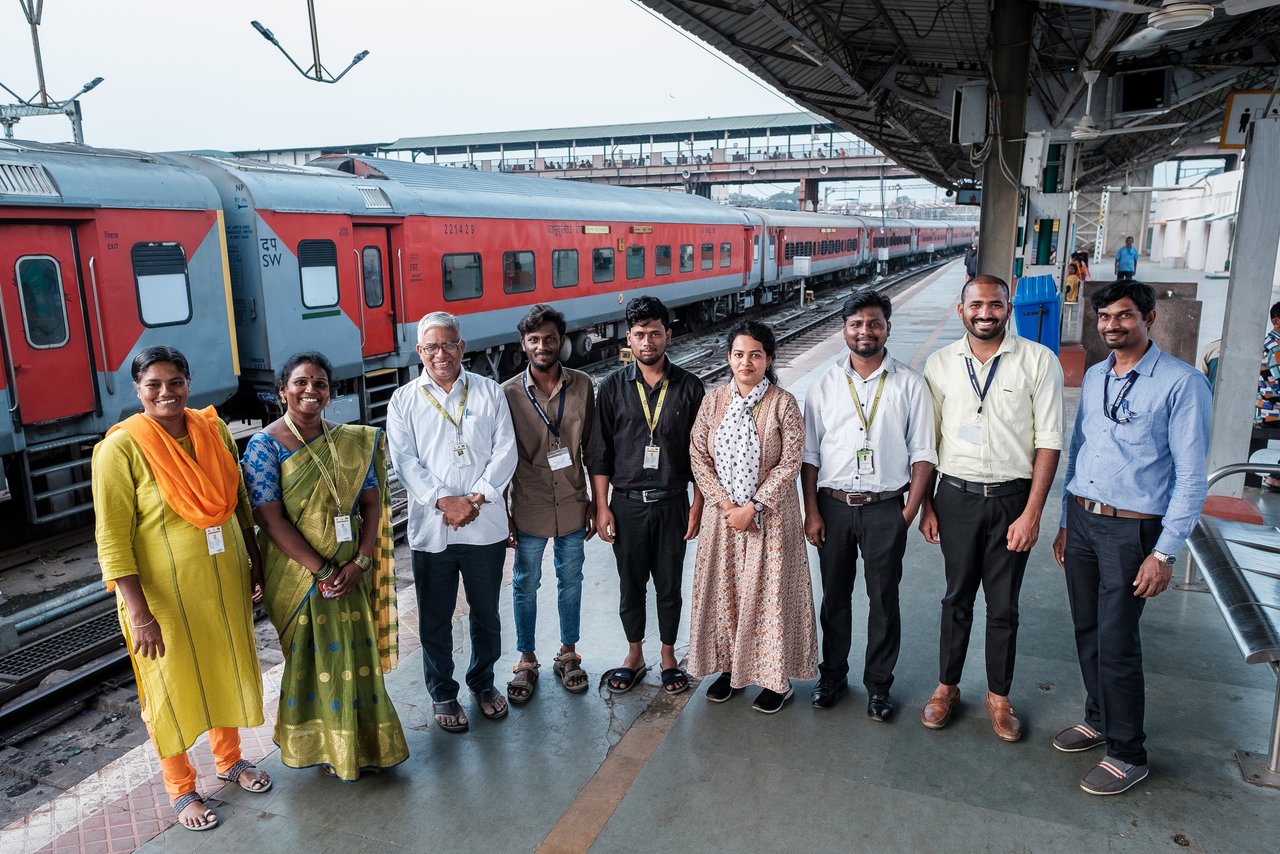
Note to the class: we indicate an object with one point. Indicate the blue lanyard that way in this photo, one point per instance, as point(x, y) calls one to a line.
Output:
point(554, 429)
point(973, 379)
point(1111, 410)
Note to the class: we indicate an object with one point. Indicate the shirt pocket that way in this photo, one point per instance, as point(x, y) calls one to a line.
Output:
point(1012, 406)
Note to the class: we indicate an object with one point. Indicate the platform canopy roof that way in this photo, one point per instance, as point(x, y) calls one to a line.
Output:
point(774, 124)
point(886, 69)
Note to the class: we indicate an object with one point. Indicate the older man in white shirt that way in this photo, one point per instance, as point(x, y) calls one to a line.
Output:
point(868, 443)
point(454, 450)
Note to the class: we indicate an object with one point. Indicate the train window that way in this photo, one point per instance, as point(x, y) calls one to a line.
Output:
point(662, 261)
point(374, 294)
point(708, 256)
point(160, 273)
point(635, 262)
point(564, 268)
point(726, 254)
point(517, 272)
point(755, 249)
point(318, 263)
point(44, 311)
point(601, 265)
point(460, 273)
point(686, 258)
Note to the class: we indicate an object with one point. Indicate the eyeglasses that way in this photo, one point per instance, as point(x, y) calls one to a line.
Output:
point(447, 346)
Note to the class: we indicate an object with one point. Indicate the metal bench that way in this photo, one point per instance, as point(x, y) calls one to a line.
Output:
point(1240, 564)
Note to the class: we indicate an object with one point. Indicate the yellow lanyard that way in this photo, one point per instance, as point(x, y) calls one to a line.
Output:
point(652, 419)
point(330, 481)
point(462, 406)
point(857, 405)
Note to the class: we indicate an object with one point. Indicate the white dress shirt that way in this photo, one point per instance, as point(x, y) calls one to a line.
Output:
point(902, 432)
point(1022, 411)
point(422, 447)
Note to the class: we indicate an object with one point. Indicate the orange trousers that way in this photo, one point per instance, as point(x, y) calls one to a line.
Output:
point(180, 774)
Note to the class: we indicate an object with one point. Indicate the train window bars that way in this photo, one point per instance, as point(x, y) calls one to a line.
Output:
point(726, 254)
point(318, 267)
point(635, 262)
point(564, 268)
point(601, 265)
point(164, 290)
point(686, 258)
point(461, 275)
point(371, 261)
point(662, 261)
point(44, 311)
point(518, 275)
point(708, 256)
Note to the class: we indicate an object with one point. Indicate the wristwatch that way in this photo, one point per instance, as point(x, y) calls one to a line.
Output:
point(1166, 559)
point(758, 505)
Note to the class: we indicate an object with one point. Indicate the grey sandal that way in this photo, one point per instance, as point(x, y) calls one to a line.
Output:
point(184, 801)
point(233, 773)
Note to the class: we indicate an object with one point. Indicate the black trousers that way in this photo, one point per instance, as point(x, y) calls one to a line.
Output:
point(879, 532)
point(1102, 558)
point(650, 544)
point(976, 553)
point(435, 578)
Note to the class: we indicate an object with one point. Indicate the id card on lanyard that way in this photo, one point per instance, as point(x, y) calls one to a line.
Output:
point(461, 458)
point(341, 521)
point(558, 457)
point(971, 431)
point(651, 450)
point(865, 456)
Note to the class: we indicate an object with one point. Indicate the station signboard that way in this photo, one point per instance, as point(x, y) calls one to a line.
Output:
point(1243, 106)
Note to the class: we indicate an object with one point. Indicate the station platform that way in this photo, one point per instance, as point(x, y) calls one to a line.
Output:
point(644, 771)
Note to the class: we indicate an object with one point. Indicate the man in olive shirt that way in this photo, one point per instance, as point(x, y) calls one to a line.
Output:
point(552, 408)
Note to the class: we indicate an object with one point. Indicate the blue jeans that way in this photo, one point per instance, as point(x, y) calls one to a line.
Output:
point(526, 578)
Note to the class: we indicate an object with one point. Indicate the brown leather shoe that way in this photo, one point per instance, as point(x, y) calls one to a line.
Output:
point(940, 706)
point(1004, 720)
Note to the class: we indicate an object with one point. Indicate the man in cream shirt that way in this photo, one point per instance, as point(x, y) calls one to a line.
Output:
point(454, 449)
point(997, 401)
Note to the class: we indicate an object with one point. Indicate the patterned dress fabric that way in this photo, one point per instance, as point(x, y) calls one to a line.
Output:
point(752, 595)
point(737, 445)
point(209, 675)
point(334, 709)
point(1268, 408)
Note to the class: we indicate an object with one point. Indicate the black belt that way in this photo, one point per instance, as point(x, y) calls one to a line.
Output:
point(649, 496)
point(987, 490)
point(860, 499)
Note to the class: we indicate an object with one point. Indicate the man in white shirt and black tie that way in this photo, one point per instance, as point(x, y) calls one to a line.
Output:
point(453, 446)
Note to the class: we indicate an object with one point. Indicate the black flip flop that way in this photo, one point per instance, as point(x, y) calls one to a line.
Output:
point(450, 709)
point(490, 696)
point(671, 676)
point(626, 675)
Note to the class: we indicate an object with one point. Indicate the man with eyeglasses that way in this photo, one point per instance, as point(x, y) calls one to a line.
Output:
point(997, 402)
point(1135, 484)
point(454, 450)
point(868, 423)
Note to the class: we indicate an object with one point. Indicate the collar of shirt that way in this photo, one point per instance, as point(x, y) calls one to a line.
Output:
point(565, 380)
point(425, 381)
point(1146, 365)
point(1007, 345)
point(633, 373)
point(888, 364)
point(1272, 340)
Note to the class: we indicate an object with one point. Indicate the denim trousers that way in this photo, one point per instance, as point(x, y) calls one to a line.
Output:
point(526, 578)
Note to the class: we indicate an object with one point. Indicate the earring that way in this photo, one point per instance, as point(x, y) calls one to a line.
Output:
point(282, 400)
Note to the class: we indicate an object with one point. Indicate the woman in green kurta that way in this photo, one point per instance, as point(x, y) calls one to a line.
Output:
point(319, 493)
point(171, 522)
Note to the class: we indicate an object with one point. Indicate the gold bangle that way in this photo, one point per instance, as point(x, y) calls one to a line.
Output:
point(325, 571)
point(363, 561)
point(144, 625)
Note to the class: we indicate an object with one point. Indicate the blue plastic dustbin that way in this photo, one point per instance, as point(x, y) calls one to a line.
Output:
point(1037, 311)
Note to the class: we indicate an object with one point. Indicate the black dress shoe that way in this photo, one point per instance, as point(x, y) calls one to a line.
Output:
point(827, 692)
point(879, 707)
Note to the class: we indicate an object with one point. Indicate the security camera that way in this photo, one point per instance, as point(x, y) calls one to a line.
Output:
point(1124, 190)
point(949, 193)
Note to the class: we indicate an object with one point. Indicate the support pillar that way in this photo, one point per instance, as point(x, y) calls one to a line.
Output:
point(808, 194)
point(1248, 299)
point(1011, 25)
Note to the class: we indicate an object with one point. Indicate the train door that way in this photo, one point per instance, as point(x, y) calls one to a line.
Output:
point(377, 304)
point(771, 254)
point(44, 323)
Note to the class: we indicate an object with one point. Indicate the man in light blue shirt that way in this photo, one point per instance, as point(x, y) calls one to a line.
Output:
point(1135, 486)
point(1126, 260)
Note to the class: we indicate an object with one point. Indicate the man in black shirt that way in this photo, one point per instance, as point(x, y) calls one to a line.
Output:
point(643, 420)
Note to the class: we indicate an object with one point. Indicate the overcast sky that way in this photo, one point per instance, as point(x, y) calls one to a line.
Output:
point(187, 75)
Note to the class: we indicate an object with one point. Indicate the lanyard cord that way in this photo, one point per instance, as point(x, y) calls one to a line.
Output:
point(867, 420)
point(462, 406)
point(652, 419)
point(330, 481)
point(973, 379)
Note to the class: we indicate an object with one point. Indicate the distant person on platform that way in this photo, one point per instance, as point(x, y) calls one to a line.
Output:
point(997, 401)
point(1267, 411)
point(1135, 484)
point(640, 447)
point(970, 263)
point(1126, 260)
point(869, 441)
point(455, 451)
point(552, 407)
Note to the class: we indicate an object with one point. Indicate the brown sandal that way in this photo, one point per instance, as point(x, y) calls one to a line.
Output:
point(520, 689)
point(568, 668)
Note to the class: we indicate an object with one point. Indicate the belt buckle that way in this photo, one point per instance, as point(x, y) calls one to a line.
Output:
point(1094, 507)
point(644, 496)
point(986, 490)
point(853, 499)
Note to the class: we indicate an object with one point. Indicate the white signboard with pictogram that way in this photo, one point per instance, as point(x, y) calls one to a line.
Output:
point(1243, 107)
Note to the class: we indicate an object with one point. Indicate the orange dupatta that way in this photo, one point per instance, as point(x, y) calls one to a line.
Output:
point(203, 491)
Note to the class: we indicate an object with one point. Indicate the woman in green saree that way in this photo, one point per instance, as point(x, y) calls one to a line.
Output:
point(319, 493)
